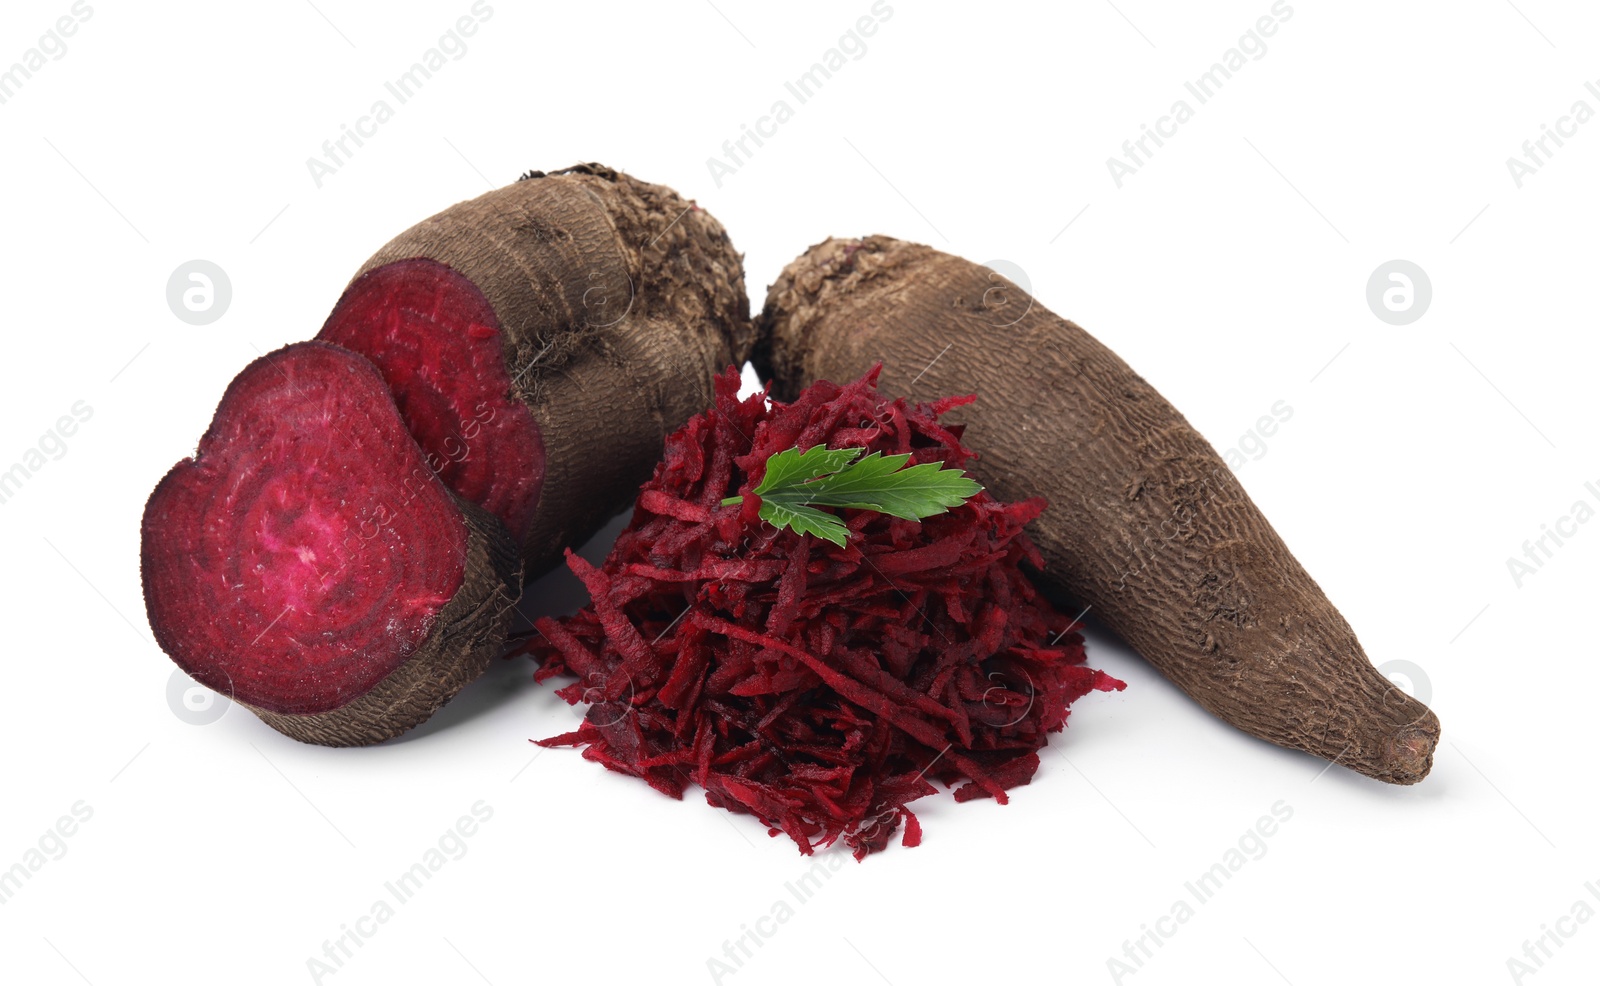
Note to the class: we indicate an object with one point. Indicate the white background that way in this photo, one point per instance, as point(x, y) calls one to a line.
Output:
point(1230, 271)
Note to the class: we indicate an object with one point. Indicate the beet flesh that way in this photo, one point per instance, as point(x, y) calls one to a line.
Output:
point(439, 345)
point(544, 338)
point(308, 563)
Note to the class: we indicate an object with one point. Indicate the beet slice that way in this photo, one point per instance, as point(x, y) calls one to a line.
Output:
point(439, 344)
point(543, 339)
point(308, 562)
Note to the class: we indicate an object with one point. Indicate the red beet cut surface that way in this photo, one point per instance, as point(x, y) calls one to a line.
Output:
point(305, 551)
point(439, 345)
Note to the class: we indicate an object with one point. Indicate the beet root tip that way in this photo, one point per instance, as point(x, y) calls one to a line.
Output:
point(1408, 755)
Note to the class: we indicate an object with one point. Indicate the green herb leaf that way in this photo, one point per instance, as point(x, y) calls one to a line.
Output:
point(796, 483)
point(806, 520)
point(878, 482)
point(791, 467)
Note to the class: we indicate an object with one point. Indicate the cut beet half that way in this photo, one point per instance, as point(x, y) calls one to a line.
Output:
point(309, 564)
point(438, 343)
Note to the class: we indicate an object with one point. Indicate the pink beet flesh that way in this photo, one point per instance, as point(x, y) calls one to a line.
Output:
point(439, 344)
point(305, 551)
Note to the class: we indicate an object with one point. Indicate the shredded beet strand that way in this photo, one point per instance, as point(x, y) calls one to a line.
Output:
point(817, 687)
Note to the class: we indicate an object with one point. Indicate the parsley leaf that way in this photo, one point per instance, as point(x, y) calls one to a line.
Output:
point(796, 483)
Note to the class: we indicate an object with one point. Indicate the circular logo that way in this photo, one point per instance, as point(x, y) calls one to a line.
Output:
point(193, 702)
point(1008, 296)
point(1399, 292)
point(1409, 678)
point(879, 827)
point(594, 706)
point(199, 292)
point(607, 298)
point(1006, 703)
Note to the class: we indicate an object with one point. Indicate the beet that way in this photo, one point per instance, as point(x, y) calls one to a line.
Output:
point(818, 687)
point(1151, 528)
point(438, 342)
point(543, 339)
point(308, 562)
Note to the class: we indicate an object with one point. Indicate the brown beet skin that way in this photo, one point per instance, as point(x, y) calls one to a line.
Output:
point(611, 303)
point(1146, 524)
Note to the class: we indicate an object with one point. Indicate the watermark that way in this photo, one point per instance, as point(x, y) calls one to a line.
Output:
point(193, 702)
point(1537, 951)
point(1171, 527)
point(199, 292)
point(1399, 292)
point(375, 517)
point(1251, 847)
point(51, 447)
point(457, 448)
point(1554, 536)
point(1006, 702)
point(51, 47)
point(451, 846)
point(1003, 304)
point(452, 46)
point(851, 46)
point(1190, 502)
point(1253, 446)
point(1408, 677)
point(51, 847)
point(1537, 152)
point(739, 950)
point(1251, 47)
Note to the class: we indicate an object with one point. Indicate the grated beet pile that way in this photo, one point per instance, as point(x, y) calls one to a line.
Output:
point(819, 688)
